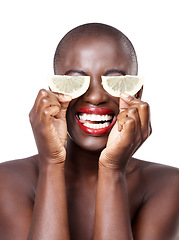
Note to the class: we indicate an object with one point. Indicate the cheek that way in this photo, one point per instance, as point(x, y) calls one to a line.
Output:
point(70, 118)
point(116, 102)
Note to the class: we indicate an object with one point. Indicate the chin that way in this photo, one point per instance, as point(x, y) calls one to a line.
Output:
point(90, 143)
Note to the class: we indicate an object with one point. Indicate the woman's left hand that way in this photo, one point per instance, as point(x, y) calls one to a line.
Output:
point(131, 129)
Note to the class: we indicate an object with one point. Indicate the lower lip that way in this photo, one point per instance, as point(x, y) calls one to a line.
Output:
point(96, 132)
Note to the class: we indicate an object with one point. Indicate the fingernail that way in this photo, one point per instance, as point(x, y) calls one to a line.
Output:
point(67, 97)
point(124, 95)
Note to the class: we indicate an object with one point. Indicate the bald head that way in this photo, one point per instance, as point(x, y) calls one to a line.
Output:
point(98, 31)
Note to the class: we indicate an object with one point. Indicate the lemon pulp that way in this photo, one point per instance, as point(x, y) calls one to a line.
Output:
point(115, 85)
point(74, 86)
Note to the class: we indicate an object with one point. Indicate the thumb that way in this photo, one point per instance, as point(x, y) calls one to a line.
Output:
point(122, 105)
point(64, 101)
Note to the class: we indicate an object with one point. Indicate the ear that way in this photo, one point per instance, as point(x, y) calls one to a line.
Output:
point(138, 95)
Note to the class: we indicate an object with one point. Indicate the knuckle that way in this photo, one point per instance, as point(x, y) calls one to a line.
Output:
point(145, 106)
point(45, 113)
point(133, 110)
point(43, 92)
point(131, 122)
point(44, 100)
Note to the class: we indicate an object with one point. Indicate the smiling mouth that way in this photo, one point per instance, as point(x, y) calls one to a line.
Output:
point(95, 121)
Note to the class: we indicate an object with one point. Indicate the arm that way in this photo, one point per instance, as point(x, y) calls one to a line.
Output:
point(49, 219)
point(130, 131)
point(48, 120)
point(16, 204)
point(112, 211)
point(20, 217)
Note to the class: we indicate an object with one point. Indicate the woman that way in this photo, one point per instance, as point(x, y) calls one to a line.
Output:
point(85, 184)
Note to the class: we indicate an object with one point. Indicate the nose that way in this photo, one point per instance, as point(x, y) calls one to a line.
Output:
point(95, 95)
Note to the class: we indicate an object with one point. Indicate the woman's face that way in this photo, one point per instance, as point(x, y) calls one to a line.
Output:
point(91, 116)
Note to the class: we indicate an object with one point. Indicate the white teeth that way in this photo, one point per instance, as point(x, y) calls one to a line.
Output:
point(94, 117)
point(103, 120)
point(96, 126)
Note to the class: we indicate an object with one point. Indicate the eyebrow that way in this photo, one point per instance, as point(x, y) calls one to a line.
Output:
point(111, 71)
point(76, 71)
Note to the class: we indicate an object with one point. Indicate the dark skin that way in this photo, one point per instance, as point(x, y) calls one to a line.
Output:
point(82, 186)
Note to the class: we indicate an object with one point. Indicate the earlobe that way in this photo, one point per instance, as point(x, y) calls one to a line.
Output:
point(138, 95)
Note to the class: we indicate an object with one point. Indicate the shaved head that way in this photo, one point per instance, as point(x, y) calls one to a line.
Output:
point(96, 30)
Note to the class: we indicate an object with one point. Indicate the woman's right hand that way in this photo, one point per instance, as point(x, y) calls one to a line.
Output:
point(48, 120)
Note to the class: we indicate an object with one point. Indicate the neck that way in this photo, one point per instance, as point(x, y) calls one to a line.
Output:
point(80, 161)
point(83, 163)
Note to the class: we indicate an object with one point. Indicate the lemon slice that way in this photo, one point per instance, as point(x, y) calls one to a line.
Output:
point(114, 85)
point(74, 86)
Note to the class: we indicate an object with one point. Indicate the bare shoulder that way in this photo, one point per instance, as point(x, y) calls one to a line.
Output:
point(18, 180)
point(159, 212)
point(18, 177)
point(19, 173)
point(157, 176)
point(160, 182)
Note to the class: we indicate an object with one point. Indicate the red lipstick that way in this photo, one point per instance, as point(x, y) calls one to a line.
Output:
point(95, 121)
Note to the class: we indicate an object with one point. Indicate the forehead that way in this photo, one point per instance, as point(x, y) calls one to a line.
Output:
point(92, 52)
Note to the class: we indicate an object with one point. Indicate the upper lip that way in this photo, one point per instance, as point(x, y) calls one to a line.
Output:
point(97, 110)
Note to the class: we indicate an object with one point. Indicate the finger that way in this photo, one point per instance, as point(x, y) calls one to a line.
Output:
point(42, 93)
point(122, 105)
point(61, 97)
point(120, 116)
point(53, 95)
point(63, 110)
point(50, 112)
point(63, 100)
point(126, 100)
point(45, 103)
point(132, 113)
point(144, 112)
point(128, 129)
point(144, 116)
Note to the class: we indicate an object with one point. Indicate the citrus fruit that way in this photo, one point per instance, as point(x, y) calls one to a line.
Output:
point(74, 86)
point(129, 84)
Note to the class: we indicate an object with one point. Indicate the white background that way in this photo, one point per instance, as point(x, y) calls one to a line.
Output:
point(29, 33)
